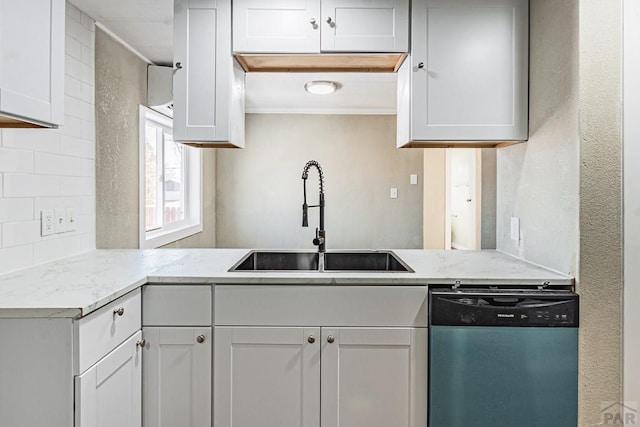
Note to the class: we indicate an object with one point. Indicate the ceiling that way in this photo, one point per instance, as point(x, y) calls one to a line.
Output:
point(147, 27)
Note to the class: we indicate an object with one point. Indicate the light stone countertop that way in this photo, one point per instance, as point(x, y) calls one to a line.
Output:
point(78, 285)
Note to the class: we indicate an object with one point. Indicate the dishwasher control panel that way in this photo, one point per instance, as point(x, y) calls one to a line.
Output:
point(520, 308)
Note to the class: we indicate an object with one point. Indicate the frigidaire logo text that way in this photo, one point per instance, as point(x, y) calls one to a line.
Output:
point(506, 315)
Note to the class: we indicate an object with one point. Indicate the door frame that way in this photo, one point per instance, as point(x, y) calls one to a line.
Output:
point(476, 211)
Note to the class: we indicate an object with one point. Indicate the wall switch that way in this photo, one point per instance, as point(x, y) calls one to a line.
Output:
point(46, 222)
point(71, 219)
point(413, 179)
point(394, 193)
point(59, 221)
point(515, 229)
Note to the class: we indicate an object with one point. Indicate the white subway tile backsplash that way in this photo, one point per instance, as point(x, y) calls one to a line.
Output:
point(32, 139)
point(79, 32)
point(72, 87)
point(63, 246)
point(20, 233)
point(26, 185)
point(72, 128)
point(16, 209)
point(12, 160)
point(53, 168)
point(56, 164)
point(73, 48)
point(73, 12)
point(16, 258)
point(87, 21)
point(78, 108)
point(77, 186)
point(88, 56)
point(78, 147)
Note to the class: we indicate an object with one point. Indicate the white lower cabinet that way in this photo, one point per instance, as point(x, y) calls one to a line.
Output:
point(177, 377)
point(374, 377)
point(267, 377)
point(109, 393)
point(320, 377)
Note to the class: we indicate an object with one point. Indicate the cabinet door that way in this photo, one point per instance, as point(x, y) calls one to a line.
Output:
point(374, 377)
point(473, 81)
point(206, 91)
point(177, 377)
point(110, 392)
point(365, 26)
point(32, 60)
point(276, 26)
point(267, 377)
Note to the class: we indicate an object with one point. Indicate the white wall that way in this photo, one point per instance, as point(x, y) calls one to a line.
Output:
point(52, 168)
point(631, 95)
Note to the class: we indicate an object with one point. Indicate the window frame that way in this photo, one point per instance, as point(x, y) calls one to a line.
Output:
point(192, 223)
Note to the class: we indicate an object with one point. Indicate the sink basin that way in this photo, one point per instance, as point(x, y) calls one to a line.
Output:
point(367, 261)
point(277, 261)
point(364, 261)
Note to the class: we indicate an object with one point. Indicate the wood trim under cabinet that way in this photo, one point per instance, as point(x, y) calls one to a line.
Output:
point(361, 63)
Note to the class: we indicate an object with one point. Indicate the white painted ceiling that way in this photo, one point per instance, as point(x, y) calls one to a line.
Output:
point(147, 27)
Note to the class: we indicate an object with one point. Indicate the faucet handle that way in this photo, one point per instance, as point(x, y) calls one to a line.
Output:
point(319, 240)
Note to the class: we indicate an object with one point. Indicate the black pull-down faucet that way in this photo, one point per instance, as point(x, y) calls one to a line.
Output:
point(319, 240)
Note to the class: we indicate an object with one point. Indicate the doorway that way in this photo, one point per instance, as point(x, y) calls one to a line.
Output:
point(463, 198)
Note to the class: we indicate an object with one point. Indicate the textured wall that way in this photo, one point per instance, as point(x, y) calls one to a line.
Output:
point(489, 190)
point(259, 188)
point(52, 168)
point(121, 86)
point(600, 277)
point(538, 180)
point(631, 201)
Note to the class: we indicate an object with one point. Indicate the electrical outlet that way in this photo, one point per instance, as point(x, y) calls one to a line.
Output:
point(515, 229)
point(59, 221)
point(413, 179)
point(71, 219)
point(394, 193)
point(46, 222)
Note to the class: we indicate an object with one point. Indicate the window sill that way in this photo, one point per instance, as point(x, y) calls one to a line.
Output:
point(155, 239)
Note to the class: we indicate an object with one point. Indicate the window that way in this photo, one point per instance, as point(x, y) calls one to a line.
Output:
point(170, 183)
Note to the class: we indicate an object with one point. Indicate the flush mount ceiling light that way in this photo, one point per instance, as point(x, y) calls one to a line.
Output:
point(321, 87)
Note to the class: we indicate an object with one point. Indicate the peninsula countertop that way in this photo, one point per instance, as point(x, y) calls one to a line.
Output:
point(76, 286)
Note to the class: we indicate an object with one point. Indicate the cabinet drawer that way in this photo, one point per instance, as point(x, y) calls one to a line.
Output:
point(103, 330)
point(176, 305)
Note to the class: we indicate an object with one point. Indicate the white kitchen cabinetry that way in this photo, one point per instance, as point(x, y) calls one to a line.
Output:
point(466, 79)
point(320, 375)
point(314, 26)
point(109, 393)
point(32, 63)
point(67, 372)
point(208, 85)
point(177, 356)
point(267, 377)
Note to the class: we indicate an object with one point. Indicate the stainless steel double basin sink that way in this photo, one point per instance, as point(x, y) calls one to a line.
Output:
point(334, 261)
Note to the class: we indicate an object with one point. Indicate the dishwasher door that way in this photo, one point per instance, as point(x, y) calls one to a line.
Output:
point(500, 360)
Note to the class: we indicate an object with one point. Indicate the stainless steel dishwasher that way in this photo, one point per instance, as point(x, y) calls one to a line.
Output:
point(503, 358)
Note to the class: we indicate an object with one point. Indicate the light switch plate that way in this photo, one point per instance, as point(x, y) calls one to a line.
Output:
point(413, 179)
point(71, 219)
point(59, 221)
point(394, 193)
point(515, 229)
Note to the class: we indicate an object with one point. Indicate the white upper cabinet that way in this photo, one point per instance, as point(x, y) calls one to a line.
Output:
point(314, 26)
point(467, 76)
point(208, 85)
point(32, 63)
